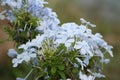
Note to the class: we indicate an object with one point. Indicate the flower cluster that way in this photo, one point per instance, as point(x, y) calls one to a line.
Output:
point(34, 7)
point(68, 51)
point(26, 17)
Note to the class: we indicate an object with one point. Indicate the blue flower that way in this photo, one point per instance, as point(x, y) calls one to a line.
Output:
point(13, 3)
point(12, 53)
point(10, 16)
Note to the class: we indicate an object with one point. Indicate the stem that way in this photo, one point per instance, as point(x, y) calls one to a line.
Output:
point(28, 74)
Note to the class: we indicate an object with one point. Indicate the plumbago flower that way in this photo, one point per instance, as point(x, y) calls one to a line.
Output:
point(71, 48)
point(58, 52)
point(26, 17)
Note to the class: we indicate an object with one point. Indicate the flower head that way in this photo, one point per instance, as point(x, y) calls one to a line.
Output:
point(52, 46)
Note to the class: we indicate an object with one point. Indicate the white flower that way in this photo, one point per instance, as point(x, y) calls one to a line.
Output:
point(83, 29)
point(25, 46)
point(87, 59)
point(16, 61)
point(19, 4)
point(105, 60)
point(97, 39)
point(20, 78)
point(76, 65)
point(37, 2)
point(84, 48)
point(38, 40)
point(25, 56)
point(69, 29)
point(78, 45)
point(81, 63)
point(12, 53)
point(13, 3)
point(40, 27)
point(60, 39)
point(34, 43)
point(69, 42)
point(85, 77)
point(108, 49)
point(98, 75)
point(48, 18)
point(87, 23)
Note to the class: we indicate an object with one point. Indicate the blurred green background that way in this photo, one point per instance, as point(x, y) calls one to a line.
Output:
point(104, 13)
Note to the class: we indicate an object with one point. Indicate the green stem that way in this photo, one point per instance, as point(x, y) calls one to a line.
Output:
point(29, 74)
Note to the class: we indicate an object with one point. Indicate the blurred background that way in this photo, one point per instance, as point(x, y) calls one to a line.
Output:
point(104, 13)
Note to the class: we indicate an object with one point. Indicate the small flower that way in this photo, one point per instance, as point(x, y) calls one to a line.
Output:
point(81, 63)
point(25, 46)
point(20, 78)
point(85, 77)
point(108, 49)
point(83, 21)
point(13, 4)
point(105, 61)
point(16, 61)
point(87, 59)
point(84, 48)
point(78, 45)
point(12, 53)
point(34, 43)
point(76, 65)
point(37, 2)
point(98, 75)
point(69, 42)
point(25, 56)
point(60, 39)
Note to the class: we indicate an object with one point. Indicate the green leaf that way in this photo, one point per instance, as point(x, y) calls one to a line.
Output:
point(61, 67)
point(62, 75)
point(53, 70)
point(75, 70)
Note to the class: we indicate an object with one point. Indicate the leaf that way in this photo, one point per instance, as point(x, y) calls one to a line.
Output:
point(53, 70)
point(62, 75)
point(61, 67)
point(75, 70)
